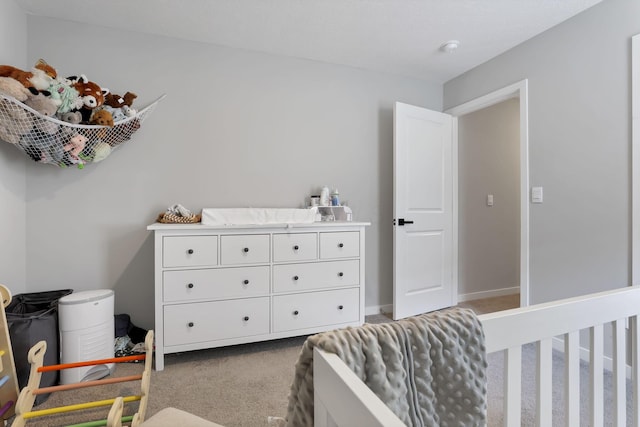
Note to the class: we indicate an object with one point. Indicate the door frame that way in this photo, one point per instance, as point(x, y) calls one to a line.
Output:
point(516, 90)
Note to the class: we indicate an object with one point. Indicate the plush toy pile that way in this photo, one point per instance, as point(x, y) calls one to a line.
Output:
point(62, 121)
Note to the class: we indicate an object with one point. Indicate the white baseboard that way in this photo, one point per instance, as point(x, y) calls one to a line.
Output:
point(377, 309)
point(488, 294)
point(388, 308)
point(607, 361)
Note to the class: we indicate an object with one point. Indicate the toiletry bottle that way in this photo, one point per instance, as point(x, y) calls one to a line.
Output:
point(335, 198)
point(324, 196)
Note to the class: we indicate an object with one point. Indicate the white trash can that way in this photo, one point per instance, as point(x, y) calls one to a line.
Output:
point(86, 333)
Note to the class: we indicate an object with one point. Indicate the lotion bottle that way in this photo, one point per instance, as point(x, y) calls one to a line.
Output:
point(324, 196)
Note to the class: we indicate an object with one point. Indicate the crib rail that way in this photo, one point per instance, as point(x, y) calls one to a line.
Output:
point(509, 330)
point(342, 400)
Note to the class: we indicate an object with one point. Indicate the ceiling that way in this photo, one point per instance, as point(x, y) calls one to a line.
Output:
point(400, 37)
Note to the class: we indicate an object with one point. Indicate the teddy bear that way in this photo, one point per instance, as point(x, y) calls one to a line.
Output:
point(43, 143)
point(15, 121)
point(101, 118)
point(39, 78)
point(12, 87)
point(46, 107)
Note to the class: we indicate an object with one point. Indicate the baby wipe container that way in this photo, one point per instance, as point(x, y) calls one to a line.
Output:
point(86, 333)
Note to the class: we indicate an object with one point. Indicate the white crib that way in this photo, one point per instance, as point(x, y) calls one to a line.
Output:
point(341, 399)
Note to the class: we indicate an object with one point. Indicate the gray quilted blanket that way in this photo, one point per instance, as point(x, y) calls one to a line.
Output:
point(430, 370)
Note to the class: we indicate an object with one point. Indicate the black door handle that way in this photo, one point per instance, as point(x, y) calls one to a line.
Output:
point(403, 221)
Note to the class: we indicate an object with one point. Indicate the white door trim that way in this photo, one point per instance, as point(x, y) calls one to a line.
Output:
point(635, 162)
point(516, 90)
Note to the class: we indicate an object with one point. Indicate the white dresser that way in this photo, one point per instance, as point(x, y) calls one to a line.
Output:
point(217, 286)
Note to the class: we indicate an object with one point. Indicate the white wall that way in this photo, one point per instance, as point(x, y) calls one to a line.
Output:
point(237, 129)
point(489, 236)
point(579, 145)
point(13, 51)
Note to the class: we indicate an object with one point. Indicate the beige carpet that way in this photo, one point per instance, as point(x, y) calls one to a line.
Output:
point(236, 386)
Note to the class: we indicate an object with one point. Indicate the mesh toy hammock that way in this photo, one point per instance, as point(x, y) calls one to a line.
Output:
point(49, 140)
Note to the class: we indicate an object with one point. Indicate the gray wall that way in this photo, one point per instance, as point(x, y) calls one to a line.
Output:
point(489, 236)
point(13, 51)
point(236, 129)
point(579, 145)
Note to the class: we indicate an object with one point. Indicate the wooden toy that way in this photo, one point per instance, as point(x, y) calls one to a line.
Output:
point(26, 399)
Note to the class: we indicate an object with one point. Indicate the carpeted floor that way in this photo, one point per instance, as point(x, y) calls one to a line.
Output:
point(240, 386)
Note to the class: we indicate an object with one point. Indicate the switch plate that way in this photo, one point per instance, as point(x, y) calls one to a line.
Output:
point(536, 195)
point(489, 199)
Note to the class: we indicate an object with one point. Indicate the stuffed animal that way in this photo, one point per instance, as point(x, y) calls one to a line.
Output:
point(46, 107)
point(39, 78)
point(15, 121)
point(73, 117)
point(92, 95)
point(66, 97)
point(100, 152)
point(75, 146)
point(122, 132)
point(101, 118)
point(117, 101)
point(117, 113)
point(14, 88)
point(42, 146)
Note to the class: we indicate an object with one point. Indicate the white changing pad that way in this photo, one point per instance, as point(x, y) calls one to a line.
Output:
point(256, 216)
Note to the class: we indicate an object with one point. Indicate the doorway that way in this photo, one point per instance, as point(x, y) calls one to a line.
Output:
point(494, 260)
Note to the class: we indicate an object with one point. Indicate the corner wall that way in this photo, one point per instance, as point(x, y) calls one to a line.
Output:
point(579, 146)
point(13, 51)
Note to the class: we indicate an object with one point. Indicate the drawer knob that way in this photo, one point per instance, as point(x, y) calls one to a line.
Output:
point(295, 277)
point(190, 251)
point(296, 247)
point(190, 324)
point(341, 274)
point(190, 286)
point(246, 250)
point(340, 307)
point(341, 245)
point(295, 313)
point(246, 318)
point(246, 281)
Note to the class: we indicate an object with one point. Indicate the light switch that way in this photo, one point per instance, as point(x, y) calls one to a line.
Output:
point(489, 199)
point(536, 195)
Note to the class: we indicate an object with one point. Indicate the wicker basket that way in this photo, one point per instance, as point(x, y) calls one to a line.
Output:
point(168, 218)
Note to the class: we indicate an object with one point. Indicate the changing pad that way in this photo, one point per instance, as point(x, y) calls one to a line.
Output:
point(257, 216)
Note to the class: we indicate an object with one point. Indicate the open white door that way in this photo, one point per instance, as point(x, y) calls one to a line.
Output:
point(422, 211)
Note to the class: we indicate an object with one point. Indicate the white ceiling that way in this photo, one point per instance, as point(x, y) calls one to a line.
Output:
point(392, 36)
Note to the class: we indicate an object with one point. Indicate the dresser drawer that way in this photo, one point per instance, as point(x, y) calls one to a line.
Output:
point(190, 285)
point(244, 249)
point(340, 245)
point(315, 275)
point(189, 251)
point(209, 321)
point(314, 309)
point(295, 247)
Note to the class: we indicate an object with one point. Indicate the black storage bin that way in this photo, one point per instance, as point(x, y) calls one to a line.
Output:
point(33, 317)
